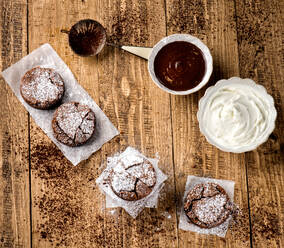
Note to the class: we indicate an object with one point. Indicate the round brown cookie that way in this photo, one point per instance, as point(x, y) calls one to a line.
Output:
point(42, 88)
point(133, 178)
point(207, 205)
point(73, 123)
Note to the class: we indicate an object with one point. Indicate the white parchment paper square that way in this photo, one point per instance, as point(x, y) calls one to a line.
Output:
point(132, 207)
point(45, 56)
point(220, 230)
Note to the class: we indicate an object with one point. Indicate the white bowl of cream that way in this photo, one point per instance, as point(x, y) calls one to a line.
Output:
point(236, 115)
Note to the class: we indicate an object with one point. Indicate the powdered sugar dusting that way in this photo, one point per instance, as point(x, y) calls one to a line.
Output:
point(207, 205)
point(75, 120)
point(144, 172)
point(88, 124)
point(209, 210)
point(69, 119)
point(113, 200)
point(130, 160)
point(43, 85)
point(121, 179)
point(46, 57)
point(192, 182)
point(129, 169)
point(83, 110)
point(209, 189)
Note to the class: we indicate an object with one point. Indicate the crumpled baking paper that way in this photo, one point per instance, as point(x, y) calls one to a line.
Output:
point(220, 230)
point(131, 207)
point(45, 56)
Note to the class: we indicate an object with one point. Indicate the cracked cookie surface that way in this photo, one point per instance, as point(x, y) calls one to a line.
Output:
point(207, 205)
point(133, 178)
point(42, 88)
point(73, 123)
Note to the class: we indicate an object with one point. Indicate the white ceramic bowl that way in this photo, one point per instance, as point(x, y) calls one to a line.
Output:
point(259, 89)
point(187, 38)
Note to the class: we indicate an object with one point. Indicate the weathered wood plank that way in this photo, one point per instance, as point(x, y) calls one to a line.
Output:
point(68, 208)
point(14, 162)
point(142, 114)
point(214, 23)
point(260, 37)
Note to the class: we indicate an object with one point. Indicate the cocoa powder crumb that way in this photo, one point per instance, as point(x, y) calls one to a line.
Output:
point(129, 27)
point(265, 223)
point(65, 218)
point(239, 225)
point(187, 17)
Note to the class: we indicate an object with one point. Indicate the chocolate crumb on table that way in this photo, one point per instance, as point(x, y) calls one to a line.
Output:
point(189, 18)
point(130, 26)
point(61, 202)
point(239, 226)
point(266, 225)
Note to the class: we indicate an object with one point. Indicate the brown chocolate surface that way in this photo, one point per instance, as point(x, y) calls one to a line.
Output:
point(179, 66)
point(207, 205)
point(133, 182)
point(73, 123)
point(42, 88)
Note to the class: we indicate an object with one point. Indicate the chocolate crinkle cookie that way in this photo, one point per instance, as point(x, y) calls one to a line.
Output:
point(207, 205)
point(42, 88)
point(73, 123)
point(133, 178)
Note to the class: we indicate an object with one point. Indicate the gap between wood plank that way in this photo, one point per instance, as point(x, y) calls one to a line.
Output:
point(250, 225)
point(173, 158)
point(246, 166)
point(29, 141)
point(30, 180)
point(174, 171)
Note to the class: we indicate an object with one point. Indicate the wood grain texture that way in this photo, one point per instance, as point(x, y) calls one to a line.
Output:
point(142, 114)
point(14, 163)
point(214, 23)
point(68, 208)
point(260, 37)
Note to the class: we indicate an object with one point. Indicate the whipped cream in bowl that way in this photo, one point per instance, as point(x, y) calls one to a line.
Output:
point(236, 115)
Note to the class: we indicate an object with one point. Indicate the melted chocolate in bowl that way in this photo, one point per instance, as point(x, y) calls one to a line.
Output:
point(180, 66)
point(87, 37)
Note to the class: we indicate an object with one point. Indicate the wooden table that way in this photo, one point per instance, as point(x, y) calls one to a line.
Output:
point(46, 202)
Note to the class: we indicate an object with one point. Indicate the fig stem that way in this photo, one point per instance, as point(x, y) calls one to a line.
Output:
point(65, 31)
